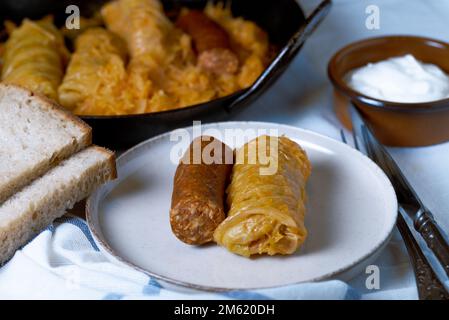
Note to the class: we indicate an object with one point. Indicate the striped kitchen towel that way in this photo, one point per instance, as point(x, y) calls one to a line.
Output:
point(63, 262)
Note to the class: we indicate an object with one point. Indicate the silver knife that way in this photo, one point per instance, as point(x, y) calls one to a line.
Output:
point(422, 218)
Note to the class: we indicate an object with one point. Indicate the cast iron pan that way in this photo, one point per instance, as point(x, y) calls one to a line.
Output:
point(283, 20)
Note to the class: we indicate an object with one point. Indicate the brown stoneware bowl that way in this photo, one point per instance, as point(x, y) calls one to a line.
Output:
point(394, 124)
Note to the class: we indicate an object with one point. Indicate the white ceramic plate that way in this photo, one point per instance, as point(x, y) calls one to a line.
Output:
point(351, 214)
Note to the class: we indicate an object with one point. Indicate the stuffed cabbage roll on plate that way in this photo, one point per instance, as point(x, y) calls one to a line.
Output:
point(266, 198)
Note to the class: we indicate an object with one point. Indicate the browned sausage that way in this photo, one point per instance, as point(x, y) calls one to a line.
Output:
point(211, 42)
point(197, 206)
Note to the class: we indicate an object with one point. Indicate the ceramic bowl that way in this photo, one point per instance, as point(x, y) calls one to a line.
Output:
point(394, 124)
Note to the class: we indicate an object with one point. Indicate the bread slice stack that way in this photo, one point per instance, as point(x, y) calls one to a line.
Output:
point(47, 164)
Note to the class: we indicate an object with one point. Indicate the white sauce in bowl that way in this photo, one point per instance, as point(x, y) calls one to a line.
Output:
point(400, 79)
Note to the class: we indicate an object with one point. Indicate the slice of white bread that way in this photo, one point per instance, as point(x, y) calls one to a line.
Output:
point(35, 135)
point(29, 211)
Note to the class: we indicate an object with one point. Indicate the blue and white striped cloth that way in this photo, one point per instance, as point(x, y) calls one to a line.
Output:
point(63, 262)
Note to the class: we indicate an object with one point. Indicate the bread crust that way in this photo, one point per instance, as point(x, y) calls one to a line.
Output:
point(83, 137)
point(55, 107)
point(111, 159)
point(25, 222)
point(29, 222)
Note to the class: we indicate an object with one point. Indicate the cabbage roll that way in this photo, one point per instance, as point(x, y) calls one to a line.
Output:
point(143, 25)
point(35, 57)
point(266, 198)
point(94, 74)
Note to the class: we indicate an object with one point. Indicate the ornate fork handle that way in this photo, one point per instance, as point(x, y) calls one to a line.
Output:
point(429, 287)
point(433, 237)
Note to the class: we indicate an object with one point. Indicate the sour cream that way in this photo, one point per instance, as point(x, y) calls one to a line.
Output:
point(400, 79)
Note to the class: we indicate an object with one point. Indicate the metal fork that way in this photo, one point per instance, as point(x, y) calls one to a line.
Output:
point(428, 285)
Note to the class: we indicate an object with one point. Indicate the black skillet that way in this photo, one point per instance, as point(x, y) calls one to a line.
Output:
point(283, 20)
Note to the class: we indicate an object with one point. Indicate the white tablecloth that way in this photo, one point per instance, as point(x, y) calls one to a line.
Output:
point(62, 263)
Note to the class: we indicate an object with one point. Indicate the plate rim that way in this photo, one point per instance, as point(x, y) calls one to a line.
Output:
point(113, 255)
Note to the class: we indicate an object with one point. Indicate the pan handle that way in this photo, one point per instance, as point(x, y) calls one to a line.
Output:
point(288, 51)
